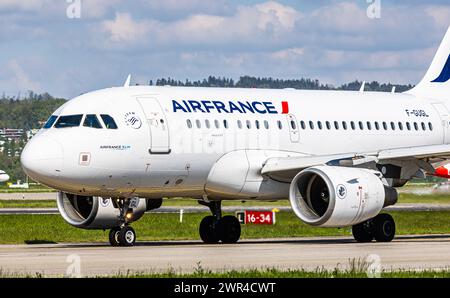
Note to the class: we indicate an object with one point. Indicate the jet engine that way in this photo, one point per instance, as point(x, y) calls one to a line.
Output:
point(97, 212)
point(328, 196)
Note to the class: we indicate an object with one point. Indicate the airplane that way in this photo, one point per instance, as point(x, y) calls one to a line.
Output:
point(338, 156)
point(3, 176)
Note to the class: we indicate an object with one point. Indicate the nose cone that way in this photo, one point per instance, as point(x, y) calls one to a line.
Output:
point(42, 159)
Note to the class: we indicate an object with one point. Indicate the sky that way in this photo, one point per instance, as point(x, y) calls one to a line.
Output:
point(69, 47)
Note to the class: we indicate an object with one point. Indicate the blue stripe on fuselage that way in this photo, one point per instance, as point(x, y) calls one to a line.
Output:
point(445, 74)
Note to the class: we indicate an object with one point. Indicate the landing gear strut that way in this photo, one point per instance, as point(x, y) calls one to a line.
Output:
point(215, 228)
point(381, 228)
point(124, 235)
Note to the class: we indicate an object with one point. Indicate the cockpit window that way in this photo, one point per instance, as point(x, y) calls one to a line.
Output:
point(50, 122)
point(92, 121)
point(68, 121)
point(109, 122)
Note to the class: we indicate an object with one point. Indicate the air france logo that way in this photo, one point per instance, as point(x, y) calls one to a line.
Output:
point(445, 74)
point(230, 107)
point(131, 119)
point(104, 202)
point(341, 191)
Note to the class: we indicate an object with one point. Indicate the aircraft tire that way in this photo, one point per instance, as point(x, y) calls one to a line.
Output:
point(114, 237)
point(127, 236)
point(210, 230)
point(362, 232)
point(231, 229)
point(384, 228)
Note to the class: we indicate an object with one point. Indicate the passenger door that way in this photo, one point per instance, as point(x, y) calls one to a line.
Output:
point(157, 121)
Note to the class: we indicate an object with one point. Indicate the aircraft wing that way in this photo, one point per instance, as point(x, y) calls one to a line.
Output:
point(288, 167)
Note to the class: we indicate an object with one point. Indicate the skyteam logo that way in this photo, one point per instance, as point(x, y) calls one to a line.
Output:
point(229, 107)
point(445, 74)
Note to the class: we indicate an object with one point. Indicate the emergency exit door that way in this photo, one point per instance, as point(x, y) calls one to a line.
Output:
point(293, 128)
point(157, 122)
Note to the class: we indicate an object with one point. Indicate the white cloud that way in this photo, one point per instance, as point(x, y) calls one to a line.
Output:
point(124, 29)
point(24, 5)
point(263, 23)
point(20, 78)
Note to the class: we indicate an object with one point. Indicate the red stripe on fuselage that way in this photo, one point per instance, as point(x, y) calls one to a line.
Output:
point(285, 107)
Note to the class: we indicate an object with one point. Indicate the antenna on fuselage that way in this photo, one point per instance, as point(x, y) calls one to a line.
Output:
point(127, 82)
point(363, 86)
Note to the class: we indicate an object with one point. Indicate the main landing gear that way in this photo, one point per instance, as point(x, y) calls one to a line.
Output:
point(215, 228)
point(381, 228)
point(124, 235)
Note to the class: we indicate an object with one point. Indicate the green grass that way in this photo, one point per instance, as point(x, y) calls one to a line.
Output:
point(16, 229)
point(352, 272)
point(424, 199)
point(28, 204)
point(356, 269)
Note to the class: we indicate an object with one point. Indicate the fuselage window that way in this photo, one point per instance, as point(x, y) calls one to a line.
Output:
point(257, 124)
point(92, 121)
point(336, 124)
point(225, 124)
point(293, 124)
point(109, 122)
point(408, 126)
point(369, 125)
point(361, 126)
point(198, 123)
point(352, 124)
point(344, 125)
point(430, 126)
point(416, 127)
point(68, 121)
point(50, 122)
point(385, 127)
point(189, 123)
point(302, 124)
point(393, 125)
point(239, 124)
point(311, 124)
point(249, 124)
point(207, 124)
point(266, 124)
point(328, 125)
point(400, 126)
point(217, 124)
point(280, 125)
point(319, 125)
point(423, 126)
point(377, 125)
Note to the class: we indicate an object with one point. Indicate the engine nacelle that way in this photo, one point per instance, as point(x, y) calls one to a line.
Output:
point(95, 212)
point(338, 196)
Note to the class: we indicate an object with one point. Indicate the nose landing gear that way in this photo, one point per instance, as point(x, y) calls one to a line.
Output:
point(124, 235)
point(215, 228)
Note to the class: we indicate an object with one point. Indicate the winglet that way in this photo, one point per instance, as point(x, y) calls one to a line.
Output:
point(127, 82)
point(363, 86)
point(393, 89)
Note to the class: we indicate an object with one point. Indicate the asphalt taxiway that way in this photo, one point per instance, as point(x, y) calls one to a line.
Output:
point(405, 252)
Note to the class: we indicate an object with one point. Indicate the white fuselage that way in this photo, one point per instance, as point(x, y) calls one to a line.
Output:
point(167, 143)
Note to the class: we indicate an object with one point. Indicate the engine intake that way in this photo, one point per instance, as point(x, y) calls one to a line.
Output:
point(94, 212)
point(337, 196)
